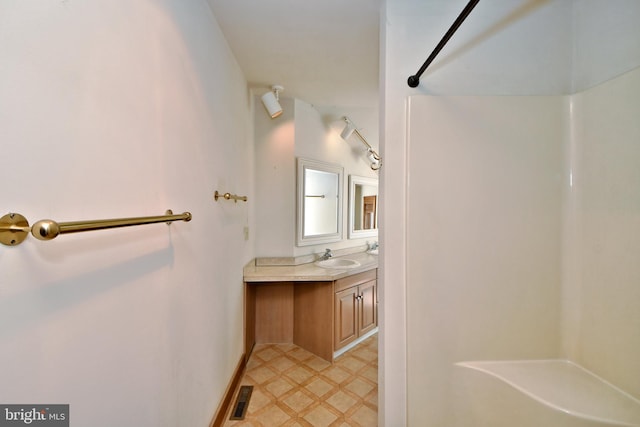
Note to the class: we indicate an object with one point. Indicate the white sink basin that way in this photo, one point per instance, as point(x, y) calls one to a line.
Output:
point(338, 263)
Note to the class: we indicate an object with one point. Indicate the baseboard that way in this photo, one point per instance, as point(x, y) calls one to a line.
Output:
point(349, 346)
point(219, 418)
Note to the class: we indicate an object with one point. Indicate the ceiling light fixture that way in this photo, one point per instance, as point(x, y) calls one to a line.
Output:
point(373, 157)
point(271, 103)
point(348, 129)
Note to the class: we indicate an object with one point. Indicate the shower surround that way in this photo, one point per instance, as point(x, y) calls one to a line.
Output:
point(524, 214)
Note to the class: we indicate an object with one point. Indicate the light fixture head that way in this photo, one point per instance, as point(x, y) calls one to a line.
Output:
point(374, 159)
point(372, 156)
point(271, 103)
point(348, 129)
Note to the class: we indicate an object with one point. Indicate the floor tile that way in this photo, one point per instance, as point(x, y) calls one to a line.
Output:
point(319, 387)
point(321, 417)
point(298, 401)
point(299, 374)
point(281, 363)
point(366, 417)
point(295, 388)
point(360, 387)
point(317, 364)
point(336, 374)
point(267, 353)
point(341, 401)
point(261, 374)
point(279, 386)
point(351, 363)
point(274, 416)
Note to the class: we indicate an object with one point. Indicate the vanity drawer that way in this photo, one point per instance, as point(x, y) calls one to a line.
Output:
point(356, 279)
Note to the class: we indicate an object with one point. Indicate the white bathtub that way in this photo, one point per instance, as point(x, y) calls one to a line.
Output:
point(538, 393)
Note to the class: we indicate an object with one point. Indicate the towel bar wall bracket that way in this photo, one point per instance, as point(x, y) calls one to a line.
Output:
point(14, 228)
point(228, 196)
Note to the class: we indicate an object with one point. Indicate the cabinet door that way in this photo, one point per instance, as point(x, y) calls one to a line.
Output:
point(368, 308)
point(346, 317)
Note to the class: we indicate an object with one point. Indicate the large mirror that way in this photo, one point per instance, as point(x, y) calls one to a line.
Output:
point(363, 207)
point(319, 202)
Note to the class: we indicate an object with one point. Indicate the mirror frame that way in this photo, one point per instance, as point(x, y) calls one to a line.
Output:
point(303, 165)
point(353, 181)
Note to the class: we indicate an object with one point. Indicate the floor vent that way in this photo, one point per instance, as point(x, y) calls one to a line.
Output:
point(242, 403)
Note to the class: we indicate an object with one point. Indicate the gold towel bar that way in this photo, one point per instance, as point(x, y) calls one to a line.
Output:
point(14, 227)
point(229, 196)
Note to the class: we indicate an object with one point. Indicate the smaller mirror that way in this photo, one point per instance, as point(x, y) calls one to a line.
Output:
point(363, 207)
point(319, 218)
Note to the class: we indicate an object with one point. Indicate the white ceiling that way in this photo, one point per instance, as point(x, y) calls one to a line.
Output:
point(324, 52)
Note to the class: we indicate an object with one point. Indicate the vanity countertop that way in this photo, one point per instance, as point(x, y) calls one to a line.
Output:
point(308, 272)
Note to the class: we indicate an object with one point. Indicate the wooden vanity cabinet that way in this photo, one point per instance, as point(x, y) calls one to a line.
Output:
point(319, 316)
point(355, 307)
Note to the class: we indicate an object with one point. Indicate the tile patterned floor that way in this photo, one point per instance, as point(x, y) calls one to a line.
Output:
point(292, 387)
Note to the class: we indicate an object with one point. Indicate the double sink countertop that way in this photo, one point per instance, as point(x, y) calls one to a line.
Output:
point(309, 272)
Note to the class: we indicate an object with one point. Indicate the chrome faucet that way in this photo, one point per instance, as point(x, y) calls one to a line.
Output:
point(373, 246)
point(327, 254)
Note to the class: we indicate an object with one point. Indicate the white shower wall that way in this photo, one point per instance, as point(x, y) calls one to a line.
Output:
point(484, 248)
point(515, 47)
point(605, 282)
point(524, 217)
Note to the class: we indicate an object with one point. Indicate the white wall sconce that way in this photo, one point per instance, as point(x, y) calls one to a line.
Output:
point(373, 157)
point(271, 101)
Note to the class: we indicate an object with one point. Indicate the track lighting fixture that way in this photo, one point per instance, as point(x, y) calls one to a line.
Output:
point(348, 129)
point(372, 155)
point(374, 159)
point(271, 103)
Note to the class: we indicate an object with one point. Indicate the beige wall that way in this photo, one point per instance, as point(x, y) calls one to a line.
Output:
point(114, 109)
point(275, 183)
point(303, 130)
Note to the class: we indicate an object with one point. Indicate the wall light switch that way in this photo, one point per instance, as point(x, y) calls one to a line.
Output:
point(246, 233)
